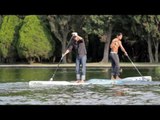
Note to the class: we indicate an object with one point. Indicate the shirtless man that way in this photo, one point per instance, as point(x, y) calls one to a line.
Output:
point(115, 44)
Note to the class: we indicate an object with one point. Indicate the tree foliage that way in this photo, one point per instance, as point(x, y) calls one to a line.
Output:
point(35, 42)
point(150, 32)
point(30, 37)
point(63, 25)
point(8, 37)
point(101, 25)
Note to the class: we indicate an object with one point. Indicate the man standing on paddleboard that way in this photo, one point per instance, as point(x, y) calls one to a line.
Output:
point(78, 45)
point(115, 44)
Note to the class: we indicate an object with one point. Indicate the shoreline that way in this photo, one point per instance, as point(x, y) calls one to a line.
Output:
point(72, 65)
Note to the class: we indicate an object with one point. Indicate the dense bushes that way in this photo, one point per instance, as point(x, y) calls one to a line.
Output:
point(35, 42)
point(25, 39)
point(8, 38)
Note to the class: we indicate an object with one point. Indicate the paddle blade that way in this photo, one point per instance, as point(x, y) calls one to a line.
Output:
point(51, 79)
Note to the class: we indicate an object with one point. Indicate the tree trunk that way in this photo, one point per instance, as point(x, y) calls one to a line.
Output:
point(69, 56)
point(151, 59)
point(64, 49)
point(106, 47)
point(156, 52)
point(60, 30)
point(30, 60)
point(64, 41)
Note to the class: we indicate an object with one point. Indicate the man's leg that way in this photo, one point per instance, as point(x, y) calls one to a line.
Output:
point(117, 67)
point(83, 62)
point(113, 66)
point(78, 69)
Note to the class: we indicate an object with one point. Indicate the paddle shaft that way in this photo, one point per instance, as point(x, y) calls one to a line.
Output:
point(60, 62)
point(134, 66)
point(56, 69)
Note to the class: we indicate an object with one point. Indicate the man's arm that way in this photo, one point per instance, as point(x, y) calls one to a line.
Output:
point(122, 48)
point(67, 51)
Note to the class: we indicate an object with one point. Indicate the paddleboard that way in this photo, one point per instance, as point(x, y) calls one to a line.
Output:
point(91, 81)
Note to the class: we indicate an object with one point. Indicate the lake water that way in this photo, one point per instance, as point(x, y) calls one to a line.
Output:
point(14, 88)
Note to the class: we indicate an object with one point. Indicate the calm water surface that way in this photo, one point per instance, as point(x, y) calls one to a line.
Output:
point(14, 88)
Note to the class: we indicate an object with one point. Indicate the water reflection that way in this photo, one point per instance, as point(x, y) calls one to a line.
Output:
point(68, 74)
point(119, 93)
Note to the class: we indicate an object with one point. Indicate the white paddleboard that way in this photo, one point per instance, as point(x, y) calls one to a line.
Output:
point(47, 83)
point(91, 81)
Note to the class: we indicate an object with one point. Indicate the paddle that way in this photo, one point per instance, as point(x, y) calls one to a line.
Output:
point(51, 79)
point(135, 67)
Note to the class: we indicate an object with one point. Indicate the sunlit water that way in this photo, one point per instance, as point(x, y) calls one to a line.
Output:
point(14, 88)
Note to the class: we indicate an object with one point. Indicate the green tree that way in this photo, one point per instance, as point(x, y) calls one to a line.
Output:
point(62, 25)
point(60, 28)
point(8, 37)
point(101, 25)
point(35, 41)
point(148, 30)
point(1, 19)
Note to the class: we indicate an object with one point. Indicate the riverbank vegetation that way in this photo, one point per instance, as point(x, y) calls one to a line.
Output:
point(43, 38)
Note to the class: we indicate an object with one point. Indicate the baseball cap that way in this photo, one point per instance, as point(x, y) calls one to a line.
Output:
point(74, 34)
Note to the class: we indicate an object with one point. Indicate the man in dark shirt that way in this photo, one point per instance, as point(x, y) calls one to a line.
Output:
point(81, 56)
